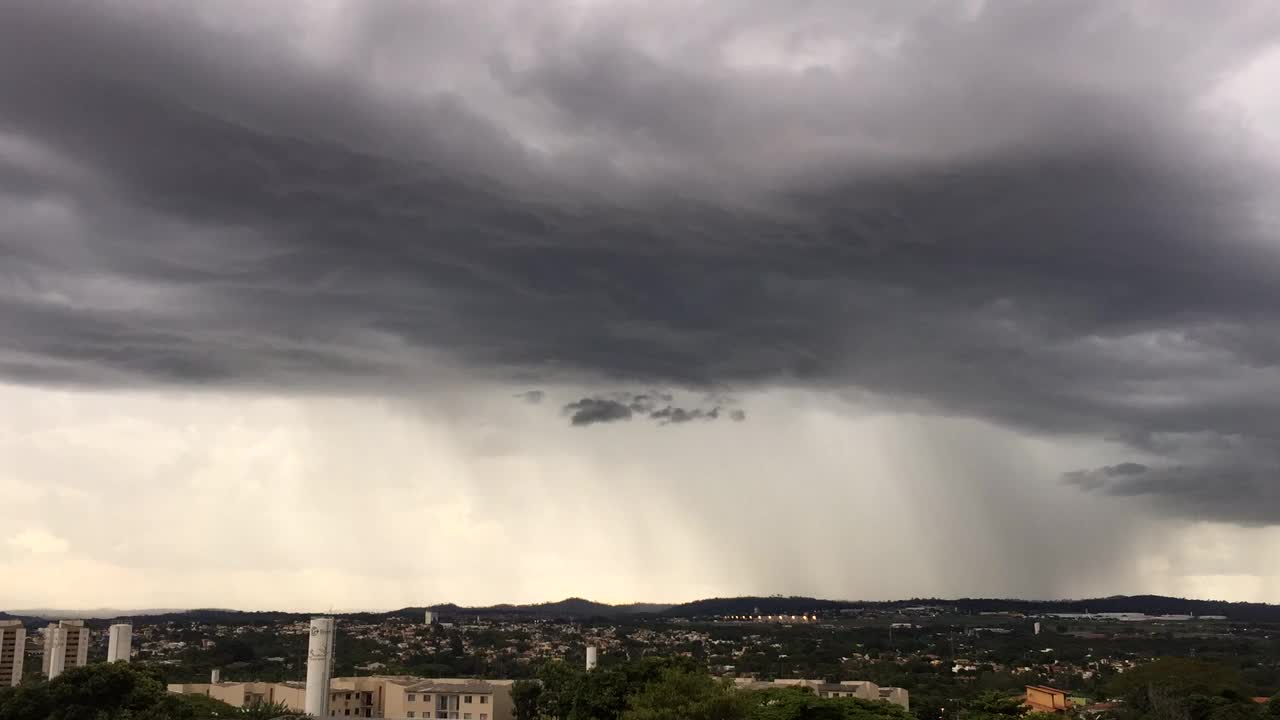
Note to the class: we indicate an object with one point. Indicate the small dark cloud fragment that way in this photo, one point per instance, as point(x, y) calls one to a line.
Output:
point(669, 415)
point(1125, 468)
point(654, 405)
point(589, 411)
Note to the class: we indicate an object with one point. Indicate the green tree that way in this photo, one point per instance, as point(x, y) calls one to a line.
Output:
point(525, 697)
point(1179, 677)
point(995, 705)
point(683, 695)
point(801, 704)
point(601, 695)
point(109, 691)
point(560, 685)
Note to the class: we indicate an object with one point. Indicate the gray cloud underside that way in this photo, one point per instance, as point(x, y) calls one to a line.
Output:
point(654, 405)
point(1023, 214)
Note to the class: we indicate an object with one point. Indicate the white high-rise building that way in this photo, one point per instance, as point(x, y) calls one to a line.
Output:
point(429, 618)
point(13, 646)
point(319, 666)
point(55, 651)
point(119, 642)
point(66, 646)
point(591, 657)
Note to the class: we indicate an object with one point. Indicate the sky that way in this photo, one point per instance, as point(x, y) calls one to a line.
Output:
point(338, 304)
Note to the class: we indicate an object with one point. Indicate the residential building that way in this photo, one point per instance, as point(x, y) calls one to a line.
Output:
point(246, 694)
point(13, 646)
point(1041, 698)
point(396, 697)
point(861, 689)
point(66, 646)
point(451, 699)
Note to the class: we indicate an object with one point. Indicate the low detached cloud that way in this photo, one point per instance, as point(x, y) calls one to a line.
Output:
point(653, 406)
point(1231, 490)
point(589, 411)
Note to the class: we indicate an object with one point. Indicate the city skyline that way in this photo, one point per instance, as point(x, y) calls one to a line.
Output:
point(346, 304)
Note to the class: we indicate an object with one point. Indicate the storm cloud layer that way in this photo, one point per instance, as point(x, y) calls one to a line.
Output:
point(1058, 217)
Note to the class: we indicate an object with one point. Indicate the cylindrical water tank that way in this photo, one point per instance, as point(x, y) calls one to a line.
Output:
point(319, 667)
point(119, 642)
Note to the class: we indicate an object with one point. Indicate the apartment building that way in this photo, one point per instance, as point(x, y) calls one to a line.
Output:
point(66, 646)
point(13, 645)
point(452, 699)
point(861, 689)
point(396, 697)
point(245, 694)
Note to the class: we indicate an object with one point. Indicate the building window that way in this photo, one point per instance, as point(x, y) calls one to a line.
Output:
point(410, 713)
point(425, 698)
point(466, 716)
point(348, 696)
point(412, 696)
point(347, 711)
point(466, 698)
point(484, 700)
point(484, 716)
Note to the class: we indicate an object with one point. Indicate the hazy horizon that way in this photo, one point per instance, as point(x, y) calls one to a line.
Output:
point(108, 612)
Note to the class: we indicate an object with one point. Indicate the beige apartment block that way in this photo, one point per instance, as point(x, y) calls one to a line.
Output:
point(396, 697)
point(66, 646)
point(13, 646)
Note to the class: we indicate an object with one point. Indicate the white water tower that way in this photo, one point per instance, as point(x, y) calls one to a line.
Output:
point(119, 642)
point(319, 666)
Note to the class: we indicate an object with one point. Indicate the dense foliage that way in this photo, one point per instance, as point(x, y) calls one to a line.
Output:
point(116, 691)
point(676, 689)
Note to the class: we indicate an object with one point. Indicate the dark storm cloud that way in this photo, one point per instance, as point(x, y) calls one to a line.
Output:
point(533, 397)
point(1229, 490)
point(1021, 212)
point(653, 405)
point(589, 411)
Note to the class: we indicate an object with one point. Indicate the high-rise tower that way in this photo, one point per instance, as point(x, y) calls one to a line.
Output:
point(13, 645)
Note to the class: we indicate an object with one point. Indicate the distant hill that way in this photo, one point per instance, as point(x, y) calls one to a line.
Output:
point(91, 614)
point(579, 608)
point(1150, 604)
point(569, 607)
